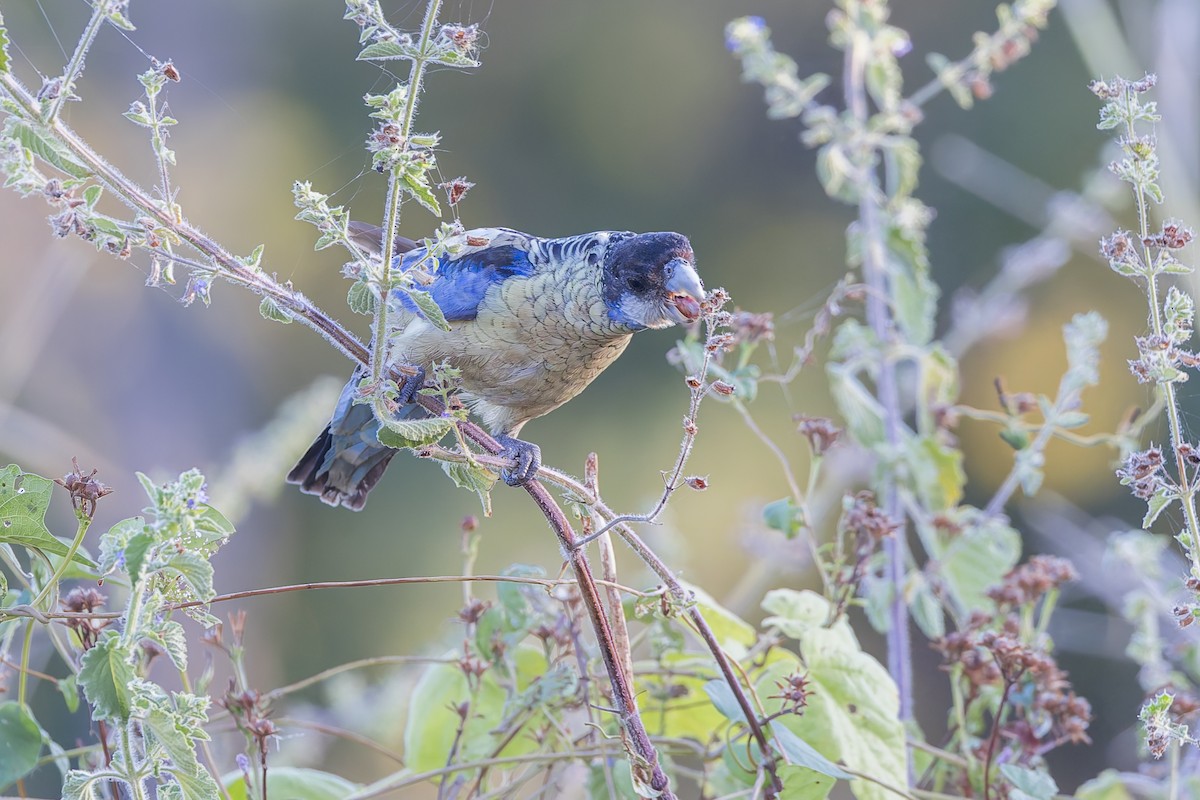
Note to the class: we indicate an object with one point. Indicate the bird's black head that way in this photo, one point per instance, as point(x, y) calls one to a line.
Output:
point(650, 281)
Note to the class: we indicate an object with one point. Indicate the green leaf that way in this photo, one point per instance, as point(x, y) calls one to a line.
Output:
point(24, 498)
point(400, 433)
point(725, 700)
point(1108, 785)
point(3, 47)
point(273, 311)
point(784, 516)
point(1015, 438)
point(852, 715)
point(105, 674)
point(135, 554)
point(171, 638)
point(926, 609)
point(976, 559)
point(1156, 504)
point(802, 754)
point(294, 783)
point(176, 738)
point(77, 785)
point(20, 742)
point(428, 306)
point(733, 633)
point(937, 473)
point(45, 147)
point(195, 571)
point(1029, 784)
point(382, 51)
point(361, 298)
point(801, 783)
point(432, 723)
point(68, 687)
point(476, 478)
point(91, 195)
point(214, 521)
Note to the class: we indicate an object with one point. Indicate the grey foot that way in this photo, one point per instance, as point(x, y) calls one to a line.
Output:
point(527, 460)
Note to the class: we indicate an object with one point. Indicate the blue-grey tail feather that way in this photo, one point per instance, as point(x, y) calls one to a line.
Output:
point(347, 460)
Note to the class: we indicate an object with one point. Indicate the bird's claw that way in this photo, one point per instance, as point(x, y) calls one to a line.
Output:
point(412, 384)
point(526, 458)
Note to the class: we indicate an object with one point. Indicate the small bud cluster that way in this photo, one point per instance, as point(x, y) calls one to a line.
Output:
point(1143, 471)
point(85, 489)
point(794, 691)
point(988, 653)
point(85, 600)
point(821, 433)
point(1028, 583)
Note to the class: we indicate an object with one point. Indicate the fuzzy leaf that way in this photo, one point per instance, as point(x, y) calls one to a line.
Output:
point(194, 781)
point(418, 186)
point(1157, 503)
point(401, 433)
point(429, 307)
point(46, 148)
point(172, 639)
point(77, 785)
point(24, 498)
point(105, 675)
point(382, 51)
point(273, 311)
point(20, 741)
point(360, 298)
point(476, 478)
point(195, 571)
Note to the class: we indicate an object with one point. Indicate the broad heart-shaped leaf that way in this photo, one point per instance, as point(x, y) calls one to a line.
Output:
point(400, 433)
point(105, 674)
point(24, 498)
point(672, 700)
point(853, 711)
point(20, 741)
point(429, 730)
point(294, 783)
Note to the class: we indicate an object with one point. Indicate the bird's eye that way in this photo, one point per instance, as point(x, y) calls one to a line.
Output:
point(636, 284)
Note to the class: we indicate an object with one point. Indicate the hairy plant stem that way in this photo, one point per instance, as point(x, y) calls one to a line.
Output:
point(1187, 491)
point(395, 199)
point(879, 318)
point(75, 65)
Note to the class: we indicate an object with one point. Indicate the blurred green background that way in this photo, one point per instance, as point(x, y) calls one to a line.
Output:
point(583, 116)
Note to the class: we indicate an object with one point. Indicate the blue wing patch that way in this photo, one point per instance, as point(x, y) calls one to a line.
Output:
point(460, 284)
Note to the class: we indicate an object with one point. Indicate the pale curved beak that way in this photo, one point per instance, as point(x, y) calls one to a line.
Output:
point(685, 291)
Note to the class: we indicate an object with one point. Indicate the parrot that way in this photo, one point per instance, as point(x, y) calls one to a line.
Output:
point(532, 321)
